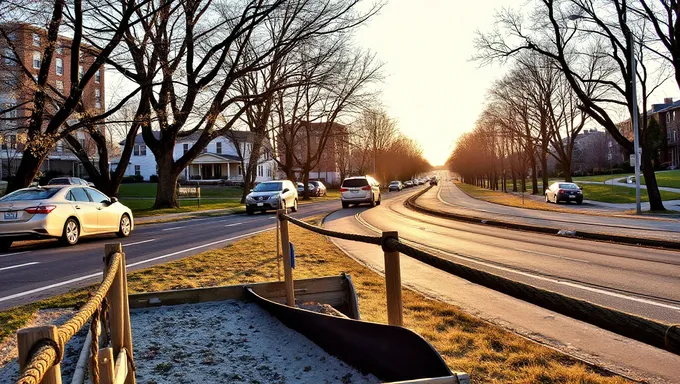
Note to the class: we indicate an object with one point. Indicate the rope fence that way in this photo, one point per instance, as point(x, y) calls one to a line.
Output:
point(655, 333)
point(41, 349)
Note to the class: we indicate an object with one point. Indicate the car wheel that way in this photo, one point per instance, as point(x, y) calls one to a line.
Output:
point(373, 204)
point(547, 200)
point(555, 199)
point(283, 206)
point(379, 200)
point(250, 212)
point(345, 205)
point(295, 206)
point(579, 202)
point(5, 244)
point(125, 226)
point(71, 233)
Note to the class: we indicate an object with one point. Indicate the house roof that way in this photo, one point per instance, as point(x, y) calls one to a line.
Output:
point(239, 136)
point(217, 155)
point(669, 107)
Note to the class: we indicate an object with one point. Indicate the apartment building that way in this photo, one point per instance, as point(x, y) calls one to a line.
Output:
point(20, 59)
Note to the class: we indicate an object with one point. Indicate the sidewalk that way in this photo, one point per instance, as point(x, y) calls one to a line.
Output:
point(607, 208)
point(576, 338)
point(448, 200)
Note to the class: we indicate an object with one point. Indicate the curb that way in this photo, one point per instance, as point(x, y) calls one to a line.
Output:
point(411, 203)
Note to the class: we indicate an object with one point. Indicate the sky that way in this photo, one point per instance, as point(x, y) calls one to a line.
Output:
point(432, 87)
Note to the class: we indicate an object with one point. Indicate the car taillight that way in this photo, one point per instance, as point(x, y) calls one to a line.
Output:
point(344, 189)
point(560, 191)
point(366, 188)
point(41, 209)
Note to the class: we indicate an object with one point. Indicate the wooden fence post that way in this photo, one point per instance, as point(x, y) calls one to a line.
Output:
point(287, 269)
point(26, 337)
point(119, 308)
point(392, 281)
point(105, 362)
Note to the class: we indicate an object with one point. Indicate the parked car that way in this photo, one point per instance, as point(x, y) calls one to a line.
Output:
point(395, 186)
point(408, 184)
point(319, 188)
point(68, 181)
point(300, 188)
point(360, 189)
point(66, 212)
point(563, 191)
point(272, 195)
point(434, 181)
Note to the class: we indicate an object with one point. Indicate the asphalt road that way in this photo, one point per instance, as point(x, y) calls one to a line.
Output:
point(639, 280)
point(32, 272)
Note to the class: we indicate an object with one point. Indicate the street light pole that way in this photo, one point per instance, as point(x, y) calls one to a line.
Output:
point(635, 118)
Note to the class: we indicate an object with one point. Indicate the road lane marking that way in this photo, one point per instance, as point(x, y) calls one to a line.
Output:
point(14, 254)
point(19, 265)
point(233, 224)
point(547, 254)
point(139, 242)
point(173, 228)
point(99, 274)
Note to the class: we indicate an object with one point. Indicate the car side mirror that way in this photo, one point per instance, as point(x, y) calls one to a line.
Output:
point(581, 188)
point(251, 190)
point(285, 190)
point(114, 200)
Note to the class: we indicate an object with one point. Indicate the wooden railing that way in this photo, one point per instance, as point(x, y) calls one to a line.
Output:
point(41, 349)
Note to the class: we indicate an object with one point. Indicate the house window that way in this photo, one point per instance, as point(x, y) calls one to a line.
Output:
point(138, 170)
point(10, 142)
point(36, 40)
point(11, 115)
point(80, 72)
point(139, 150)
point(36, 60)
point(10, 57)
point(60, 147)
point(250, 147)
point(98, 76)
point(60, 85)
point(98, 98)
point(218, 147)
point(59, 66)
point(60, 49)
point(269, 172)
point(185, 147)
point(82, 143)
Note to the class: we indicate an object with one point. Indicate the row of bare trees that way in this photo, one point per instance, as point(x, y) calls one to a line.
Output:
point(193, 67)
point(588, 45)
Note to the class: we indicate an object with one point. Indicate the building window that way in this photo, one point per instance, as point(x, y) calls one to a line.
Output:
point(138, 170)
point(60, 49)
point(185, 147)
point(10, 57)
point(60, 147)
point(98, 76)
point(239, 170)
point(139, 150)
point(98, 98)
point(60, 85)
point(36, 40)
point(218, 147)
point(59, 66)
point(9, 142)
point(269, 172)
point(80, 55)
point(81, 72)
point(82, 143)
point(11, 115)
point(36, 60)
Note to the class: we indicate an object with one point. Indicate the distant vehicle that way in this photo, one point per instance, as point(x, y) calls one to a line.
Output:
point(434, 181)
point(272, 195)
point(66, 212)
point(563, 191)
point(360, 189)
point(68, 181)
point(395, 186)
point(300, 188)
point(319, 189)
point(408, 184)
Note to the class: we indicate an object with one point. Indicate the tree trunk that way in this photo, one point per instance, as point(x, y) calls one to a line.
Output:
point(534, 176)
point(166, 190)
point(655, 202)
point(566, 169)
point(544, 167)
point(29, 166)
point(305, 181)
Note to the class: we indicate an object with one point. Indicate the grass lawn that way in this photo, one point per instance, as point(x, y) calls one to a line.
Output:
point(667, 179)
point(487, 352)
point(601, 178)
point(617, 194)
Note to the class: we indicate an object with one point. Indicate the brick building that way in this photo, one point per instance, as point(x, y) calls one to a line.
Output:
point(20, 53)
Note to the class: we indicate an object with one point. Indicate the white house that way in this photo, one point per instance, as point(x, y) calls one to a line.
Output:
point(219, 161)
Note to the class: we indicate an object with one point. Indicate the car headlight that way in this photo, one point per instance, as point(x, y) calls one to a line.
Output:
point(249, 199)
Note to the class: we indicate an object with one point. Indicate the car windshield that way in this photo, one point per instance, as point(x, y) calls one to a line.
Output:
point(353, 183)
point(269, 187)
point(30, 194)
point(568, 186)
point(394, 183)
point(60, 181)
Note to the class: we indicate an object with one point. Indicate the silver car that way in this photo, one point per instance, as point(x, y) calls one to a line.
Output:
point(66, 212)
point(272, 195)
point(360, 189)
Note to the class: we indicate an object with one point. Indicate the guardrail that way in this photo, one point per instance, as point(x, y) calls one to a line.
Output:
point(41, 349)
point(655, 333)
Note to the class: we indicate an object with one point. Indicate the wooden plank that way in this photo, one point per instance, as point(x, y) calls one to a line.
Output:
point(335, 299)
point(287, 262)
point(81, 365)
point(352, 299)
point(26, 337)
point(434, 380)
point(120, 372)
point(235, 292)
point(105, 363)
point(127, 331)
point(393, 284)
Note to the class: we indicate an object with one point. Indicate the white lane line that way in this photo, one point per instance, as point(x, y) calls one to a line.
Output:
point(19, 265)
point(139, 242)
point(14, 254)
point(81, 278)
point(173, 228)
point(233, 224)
point(548, 254)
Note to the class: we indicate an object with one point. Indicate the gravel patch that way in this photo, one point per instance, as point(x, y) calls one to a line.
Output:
point(229, 341)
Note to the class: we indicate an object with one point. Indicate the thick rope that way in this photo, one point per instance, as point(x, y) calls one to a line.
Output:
point(635, 327)
point(49, 352)
point(94, 346)
point(341, 235)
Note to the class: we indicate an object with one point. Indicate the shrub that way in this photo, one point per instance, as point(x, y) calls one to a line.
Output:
point(133, 179)
point(153, 178)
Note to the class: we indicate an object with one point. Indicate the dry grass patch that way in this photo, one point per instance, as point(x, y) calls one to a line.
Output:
point(489, 353)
